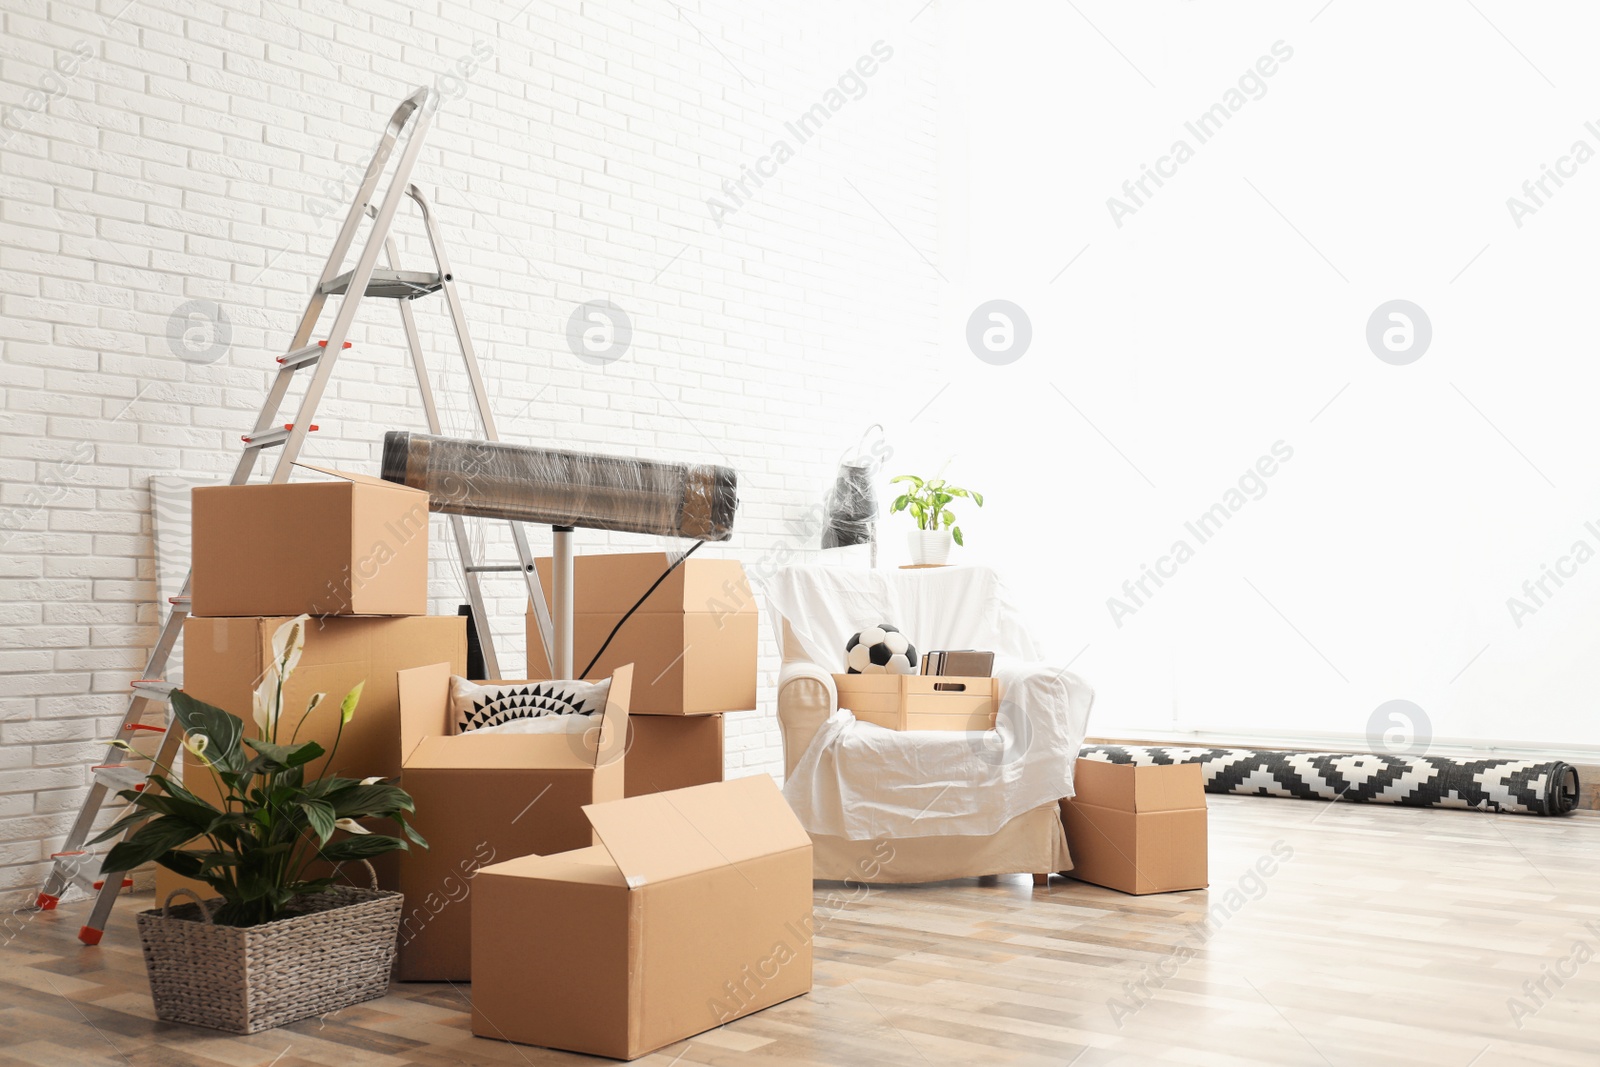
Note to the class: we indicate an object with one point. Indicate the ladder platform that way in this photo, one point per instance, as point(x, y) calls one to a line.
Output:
point(271, 438)
point(388, 284)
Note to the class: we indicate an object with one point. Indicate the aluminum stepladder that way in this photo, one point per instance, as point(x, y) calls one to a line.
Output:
point(365, 279)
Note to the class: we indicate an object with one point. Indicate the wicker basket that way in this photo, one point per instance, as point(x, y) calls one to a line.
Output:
point(247, 979)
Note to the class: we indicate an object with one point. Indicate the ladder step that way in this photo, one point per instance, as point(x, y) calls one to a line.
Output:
point(308, 355)
point(157, 686)
point(271, 438)
point(389, 284)
point(119, 776)
point(182, 602)
point(496, 568)
point(70, 866)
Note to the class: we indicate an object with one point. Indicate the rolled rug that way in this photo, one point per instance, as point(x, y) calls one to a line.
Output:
point(1507, 786)
point(496, 480)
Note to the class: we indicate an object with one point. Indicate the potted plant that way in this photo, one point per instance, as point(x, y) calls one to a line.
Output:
point(928, 502)
point(281, 942)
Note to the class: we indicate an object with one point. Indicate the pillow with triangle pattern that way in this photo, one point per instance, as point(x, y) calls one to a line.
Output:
point(526, 707)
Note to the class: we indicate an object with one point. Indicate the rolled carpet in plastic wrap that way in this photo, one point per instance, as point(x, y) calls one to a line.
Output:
point(495, 480)
point(1517, 787)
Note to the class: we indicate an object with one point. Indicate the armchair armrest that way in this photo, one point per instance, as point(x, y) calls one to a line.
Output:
point(806, 698)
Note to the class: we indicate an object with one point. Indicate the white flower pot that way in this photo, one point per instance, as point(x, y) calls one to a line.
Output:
point(929, 547)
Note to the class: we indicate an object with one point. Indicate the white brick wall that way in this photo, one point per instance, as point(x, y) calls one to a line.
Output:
point(183, 150)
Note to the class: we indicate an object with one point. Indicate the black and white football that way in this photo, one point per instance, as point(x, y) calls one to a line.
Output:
point(880, 649)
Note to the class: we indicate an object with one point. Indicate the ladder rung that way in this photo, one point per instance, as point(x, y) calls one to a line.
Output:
point(154, 685)
point(389, 284)
point(119, 776)
point(69, 868)
point(301, 357)
point(272, 438)
point(488, 568)
point(180, 602)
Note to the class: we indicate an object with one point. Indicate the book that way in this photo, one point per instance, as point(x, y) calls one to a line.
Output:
point(965, 663)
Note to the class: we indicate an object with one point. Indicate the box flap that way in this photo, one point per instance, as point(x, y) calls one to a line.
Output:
point(1125, 787)
point(501, 752)
point(1176, 788)
point(608, 583)
point(424, 705)
point(610, 742)
point(589, 866)
point(662, 836)
point(358, 479)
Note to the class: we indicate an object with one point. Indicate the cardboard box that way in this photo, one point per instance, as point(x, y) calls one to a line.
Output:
point(920, 701)
point(672, 752)
point(692, 644)
point(695, 910)
point(352, 546)
point(224, 659)
point(487, 797)
point(1137, 829)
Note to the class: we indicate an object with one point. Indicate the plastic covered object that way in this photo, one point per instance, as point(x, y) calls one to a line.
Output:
point(493, 479)
point(851, 509)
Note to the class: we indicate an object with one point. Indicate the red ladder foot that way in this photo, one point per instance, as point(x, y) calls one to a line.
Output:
point(89, 935)
point(46, 902)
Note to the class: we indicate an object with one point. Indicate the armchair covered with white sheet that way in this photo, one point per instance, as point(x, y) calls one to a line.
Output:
point(920, 806)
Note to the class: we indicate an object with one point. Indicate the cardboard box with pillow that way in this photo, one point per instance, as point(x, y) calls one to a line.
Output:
point(485, 796)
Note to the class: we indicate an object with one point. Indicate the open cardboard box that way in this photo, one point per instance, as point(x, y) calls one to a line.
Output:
point(695, 909)
point(1137, 829)
point(356, 545)
point(487, 797)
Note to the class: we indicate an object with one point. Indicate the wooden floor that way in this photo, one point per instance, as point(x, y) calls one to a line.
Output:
point(1390, 936)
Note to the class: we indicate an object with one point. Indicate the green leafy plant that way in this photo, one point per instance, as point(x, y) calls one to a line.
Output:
point(928, 502)
point(256, 845)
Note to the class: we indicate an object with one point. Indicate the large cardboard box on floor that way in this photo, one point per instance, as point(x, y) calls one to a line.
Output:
point(695, 909)
point(1137, 829)
point(692, 643)
point(224, 660)
point(483, 797)
point(672, 752)
point(355, 545)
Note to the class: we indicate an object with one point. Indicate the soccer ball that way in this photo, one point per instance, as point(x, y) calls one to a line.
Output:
point(880, 649)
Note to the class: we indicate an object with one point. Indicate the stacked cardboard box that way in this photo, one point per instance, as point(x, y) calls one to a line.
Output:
point(515, 885)
point(693, 647)
point(1137, 829)
point(351, 551)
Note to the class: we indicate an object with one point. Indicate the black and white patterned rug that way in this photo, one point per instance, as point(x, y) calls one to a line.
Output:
point(1521, 787)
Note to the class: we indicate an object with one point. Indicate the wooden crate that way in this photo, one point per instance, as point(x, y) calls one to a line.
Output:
point(920, 702)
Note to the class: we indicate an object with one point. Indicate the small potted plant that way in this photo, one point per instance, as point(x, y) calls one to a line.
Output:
point(928, 502)
point(282, 941)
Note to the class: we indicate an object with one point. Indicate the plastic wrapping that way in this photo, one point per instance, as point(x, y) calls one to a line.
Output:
point(850, 512)
point(496, 480)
